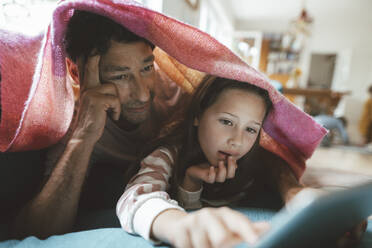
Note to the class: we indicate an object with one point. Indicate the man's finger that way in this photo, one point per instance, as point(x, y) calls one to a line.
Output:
point(112, 106)
point(91, 72)
point(112, 89)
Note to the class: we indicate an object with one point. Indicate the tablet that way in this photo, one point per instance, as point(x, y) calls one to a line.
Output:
point(322, 221)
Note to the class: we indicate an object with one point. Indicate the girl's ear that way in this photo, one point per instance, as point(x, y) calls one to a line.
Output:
point(196, 122)
point(73, 77)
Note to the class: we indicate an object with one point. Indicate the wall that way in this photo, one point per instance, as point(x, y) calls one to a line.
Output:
point(346, 33)
point(180, 10)
point(210, 16)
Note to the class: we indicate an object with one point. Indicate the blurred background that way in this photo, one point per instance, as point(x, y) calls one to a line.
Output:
point(318, 53)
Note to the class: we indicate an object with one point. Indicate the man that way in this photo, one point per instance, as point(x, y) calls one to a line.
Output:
point(118, 111)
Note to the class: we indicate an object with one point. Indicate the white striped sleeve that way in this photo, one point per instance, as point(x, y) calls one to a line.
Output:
point(146, 194)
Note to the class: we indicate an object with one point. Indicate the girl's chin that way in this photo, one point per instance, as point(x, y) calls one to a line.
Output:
point(213, 162)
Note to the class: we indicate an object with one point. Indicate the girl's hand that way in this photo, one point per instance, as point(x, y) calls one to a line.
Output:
point(197, 174)
point(208, 227)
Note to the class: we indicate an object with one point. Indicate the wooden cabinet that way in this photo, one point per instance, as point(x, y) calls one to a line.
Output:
point(278, 61)
point(318, 101)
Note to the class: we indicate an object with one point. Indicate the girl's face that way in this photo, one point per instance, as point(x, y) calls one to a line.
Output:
point(230, 126)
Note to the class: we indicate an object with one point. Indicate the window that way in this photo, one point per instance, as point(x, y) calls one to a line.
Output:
point(156, 5)
point(27, 16)
point(214, 21)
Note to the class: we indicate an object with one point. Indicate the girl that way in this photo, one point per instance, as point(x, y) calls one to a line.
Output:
point(211, 144)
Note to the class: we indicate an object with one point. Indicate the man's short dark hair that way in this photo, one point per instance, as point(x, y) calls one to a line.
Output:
point(370, 89)
point(89, 34)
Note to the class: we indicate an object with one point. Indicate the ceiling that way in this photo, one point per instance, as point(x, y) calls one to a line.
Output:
point(289, 9)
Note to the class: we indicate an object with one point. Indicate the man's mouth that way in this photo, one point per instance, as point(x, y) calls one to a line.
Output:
point(139, 109)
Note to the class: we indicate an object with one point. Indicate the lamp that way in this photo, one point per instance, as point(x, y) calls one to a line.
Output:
point(302, 23)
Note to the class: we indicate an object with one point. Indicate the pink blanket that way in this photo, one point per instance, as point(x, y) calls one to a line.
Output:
point(37, 103)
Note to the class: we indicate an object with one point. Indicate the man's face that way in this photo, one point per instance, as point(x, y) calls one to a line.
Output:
point(130, 66)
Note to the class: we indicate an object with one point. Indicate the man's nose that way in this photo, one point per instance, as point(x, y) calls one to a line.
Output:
point(140, 90)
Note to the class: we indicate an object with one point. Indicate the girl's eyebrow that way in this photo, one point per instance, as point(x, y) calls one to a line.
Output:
point(230, 114)
point(254, 122)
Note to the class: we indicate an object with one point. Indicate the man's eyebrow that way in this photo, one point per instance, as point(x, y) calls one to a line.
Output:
point(113, 68)
point(254, 122)
point(150, 58)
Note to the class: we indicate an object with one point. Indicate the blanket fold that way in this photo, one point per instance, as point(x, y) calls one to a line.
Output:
point(37, 102)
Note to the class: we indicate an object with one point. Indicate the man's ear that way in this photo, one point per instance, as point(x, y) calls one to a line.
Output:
point(73, 77)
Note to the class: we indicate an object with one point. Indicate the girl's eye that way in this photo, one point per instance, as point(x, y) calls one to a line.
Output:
point(251, 130)
point(148, 68)
point(225, 122)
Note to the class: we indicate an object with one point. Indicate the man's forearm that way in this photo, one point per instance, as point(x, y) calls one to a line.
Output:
point(53, 210)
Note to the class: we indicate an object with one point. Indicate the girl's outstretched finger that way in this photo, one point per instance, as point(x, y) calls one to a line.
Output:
point(261, 227)
point(182, 240)
point(221, 172)
point(200, 238)
point(231, 167)
point(240, 225)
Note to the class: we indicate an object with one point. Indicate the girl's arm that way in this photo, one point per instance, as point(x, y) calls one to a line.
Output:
point(146, 209)
point(208, 227)
point(145, 196)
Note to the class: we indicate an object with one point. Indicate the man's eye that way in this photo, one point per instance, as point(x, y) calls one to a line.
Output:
point(120, 77)
point(148, 68)
point(251, 130)
point(225, 122)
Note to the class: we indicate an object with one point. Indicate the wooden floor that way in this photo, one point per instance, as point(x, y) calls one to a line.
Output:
point(352, 159)
point(338, 167)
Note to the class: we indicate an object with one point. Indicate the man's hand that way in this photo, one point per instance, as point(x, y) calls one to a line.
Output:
point(197, 174)
point(96, 101)
point(208, 227)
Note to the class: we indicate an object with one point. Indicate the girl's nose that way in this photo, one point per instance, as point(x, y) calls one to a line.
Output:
point(236, 139)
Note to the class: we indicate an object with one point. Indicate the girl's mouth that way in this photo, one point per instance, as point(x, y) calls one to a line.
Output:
point(223, 156)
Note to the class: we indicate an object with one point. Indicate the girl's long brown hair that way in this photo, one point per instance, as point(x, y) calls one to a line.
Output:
point(180, 136)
